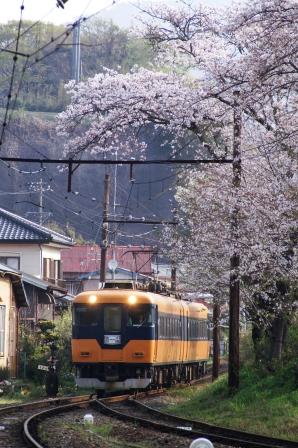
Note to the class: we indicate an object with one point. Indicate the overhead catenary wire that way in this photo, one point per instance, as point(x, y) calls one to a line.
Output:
point(15, 58)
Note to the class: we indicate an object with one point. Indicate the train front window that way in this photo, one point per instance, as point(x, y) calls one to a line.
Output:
point(140, 316)
point(85, 315)
point(112, 318)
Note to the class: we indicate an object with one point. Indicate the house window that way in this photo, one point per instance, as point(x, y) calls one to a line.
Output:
point(51, 269)
point(12, 262)
point(2, 329)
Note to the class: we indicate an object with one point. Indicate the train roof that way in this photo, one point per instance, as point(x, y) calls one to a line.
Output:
point(134, 297)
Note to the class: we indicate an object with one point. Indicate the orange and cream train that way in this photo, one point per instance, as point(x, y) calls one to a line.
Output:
point(130, 339)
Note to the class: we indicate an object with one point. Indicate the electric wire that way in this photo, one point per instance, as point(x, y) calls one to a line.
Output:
point(15, 58)
point(77, 213)
point(28, 29)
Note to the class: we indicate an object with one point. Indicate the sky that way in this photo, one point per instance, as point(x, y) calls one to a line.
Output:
point(120, 11)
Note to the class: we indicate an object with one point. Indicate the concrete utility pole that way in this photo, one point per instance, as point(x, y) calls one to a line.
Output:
point(234, 362)
point(76, 54)
point(40, 201)
point(105, 228)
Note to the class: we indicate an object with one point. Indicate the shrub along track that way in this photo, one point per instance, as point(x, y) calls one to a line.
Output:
point(130, 409)
point(12, 419)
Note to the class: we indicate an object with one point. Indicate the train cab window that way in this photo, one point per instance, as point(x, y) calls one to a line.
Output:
point(140, 316)
point(84, 315)
point(112, 318)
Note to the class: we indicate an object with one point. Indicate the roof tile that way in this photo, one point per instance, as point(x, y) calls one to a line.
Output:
point(16, 228)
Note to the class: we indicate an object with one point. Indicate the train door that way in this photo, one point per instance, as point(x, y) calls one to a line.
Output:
point(156, 321)
point(181, 354)
point(184, 331)
point(186, 334)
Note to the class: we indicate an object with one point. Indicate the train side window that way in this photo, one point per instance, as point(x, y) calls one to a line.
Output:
point(140, 316)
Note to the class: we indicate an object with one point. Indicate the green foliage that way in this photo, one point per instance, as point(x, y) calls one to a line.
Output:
point(35, 348)
point(105, 429)
point(104, 44)
point(68, 231)
point(33, 353)
point(63, 329)
point(246, 348)
point(265, 404)
point(4, 373)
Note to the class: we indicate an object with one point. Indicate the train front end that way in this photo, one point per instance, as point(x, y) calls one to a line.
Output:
point(113, 339)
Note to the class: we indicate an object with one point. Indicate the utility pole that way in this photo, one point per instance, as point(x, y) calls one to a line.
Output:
point(105, 228)
point(216, 339)
point(174, 260)
point(76, 54)
point(40, 201)
point(234, 361)
point(114, 213)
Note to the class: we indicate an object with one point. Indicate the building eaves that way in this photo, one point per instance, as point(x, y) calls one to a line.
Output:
point(14, 228)
point(34, 281)
point(17, 283)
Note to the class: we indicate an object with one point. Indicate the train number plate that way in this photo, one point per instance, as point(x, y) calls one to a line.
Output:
point(112, 339)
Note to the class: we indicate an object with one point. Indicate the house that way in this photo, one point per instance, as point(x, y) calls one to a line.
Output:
point(34, 251)
point(30, 247)
point(46, 301)
point(24, 299)
point(83, 261)
point(12, 298)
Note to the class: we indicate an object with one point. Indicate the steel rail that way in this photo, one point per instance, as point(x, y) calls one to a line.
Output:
point(223, 431)
point(30, 425)
point(40, 403)
point(191, 429)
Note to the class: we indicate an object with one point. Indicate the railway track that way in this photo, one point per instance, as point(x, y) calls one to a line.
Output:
point(128, 409)
point(131, 409)
point(12, 419)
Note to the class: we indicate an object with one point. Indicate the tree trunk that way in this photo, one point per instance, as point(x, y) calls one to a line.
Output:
point(278, 331)
point(216, 342)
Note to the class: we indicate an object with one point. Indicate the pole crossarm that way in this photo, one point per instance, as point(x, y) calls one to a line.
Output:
point(115, 162)
point(145, 221)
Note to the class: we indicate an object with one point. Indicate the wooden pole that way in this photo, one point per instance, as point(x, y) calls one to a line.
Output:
point(216, 339)
point(234, 362)
point(105, 228)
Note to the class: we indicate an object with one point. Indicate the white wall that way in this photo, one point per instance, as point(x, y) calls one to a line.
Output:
point(30, 257)
point(51, 252)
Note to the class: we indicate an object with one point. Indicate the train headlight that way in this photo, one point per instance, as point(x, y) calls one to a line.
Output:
point(92, 299)
point(132, 299)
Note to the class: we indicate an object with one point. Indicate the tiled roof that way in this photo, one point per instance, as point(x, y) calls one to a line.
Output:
point(14, 228)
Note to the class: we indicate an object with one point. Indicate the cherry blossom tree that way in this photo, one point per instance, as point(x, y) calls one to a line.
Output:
point(203, 59)
point(266, 239)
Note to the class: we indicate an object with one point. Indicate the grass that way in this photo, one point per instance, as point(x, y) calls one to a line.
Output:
point(103, 432)
point(264, 404)
point(28, 391)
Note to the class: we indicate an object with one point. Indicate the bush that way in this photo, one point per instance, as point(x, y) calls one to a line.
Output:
point(36, 349)
point(246, 348)
point(4, 373)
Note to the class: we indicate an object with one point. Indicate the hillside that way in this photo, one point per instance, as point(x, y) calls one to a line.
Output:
point(31, 133)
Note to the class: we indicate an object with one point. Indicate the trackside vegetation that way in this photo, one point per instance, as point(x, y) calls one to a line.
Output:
point(266, 403)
